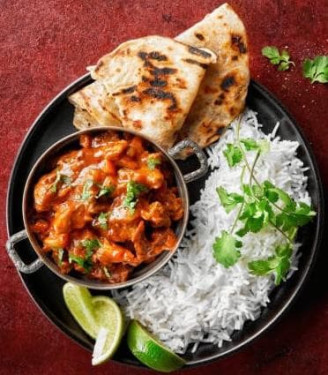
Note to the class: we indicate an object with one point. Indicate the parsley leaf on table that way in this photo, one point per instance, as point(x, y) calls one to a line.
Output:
point(229, 200)
point(225, 249)
point(233, 154)
point(276, 58)
point(278, 264)
point(317, 69)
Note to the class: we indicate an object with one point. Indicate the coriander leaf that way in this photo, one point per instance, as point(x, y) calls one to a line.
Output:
point(60, 178)
point(228, 200)
point(256, 215)
point(84, 263)
point(133, 190)
point(91, 244)
point(152, 162)
point(86, 194)
point(317, 69)
point(276, 58)
point(260, 267)
point(53, 187)
point(60, 256)
point(102, 220)
point(290, 219)
point(271, 53)
point(279, 264)
point(105, 190)
point(250, 144)
point(225, 249)
point(272, 192)
point(233, 154)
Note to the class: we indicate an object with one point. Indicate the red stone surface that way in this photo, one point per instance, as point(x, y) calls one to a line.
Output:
point(47, 44)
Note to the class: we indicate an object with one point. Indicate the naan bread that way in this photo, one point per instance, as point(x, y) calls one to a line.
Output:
point(153, 81)
point(83, 120)
point(223, 91)
point(94, 107)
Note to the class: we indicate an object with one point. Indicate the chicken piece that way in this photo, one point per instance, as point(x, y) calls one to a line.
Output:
point(44, 195)
point(162, 239)
point(70, 215)
point(135, 148)
point(110, 252)
point(122, 214)
point(172, 203)
point(156, 214)
point(113, 150)
point(55, 241)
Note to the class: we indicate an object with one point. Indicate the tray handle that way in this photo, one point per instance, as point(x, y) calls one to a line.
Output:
point(19, 264)
point(189, 144)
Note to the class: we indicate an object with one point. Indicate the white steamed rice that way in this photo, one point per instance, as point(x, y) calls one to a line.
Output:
point(194, 299)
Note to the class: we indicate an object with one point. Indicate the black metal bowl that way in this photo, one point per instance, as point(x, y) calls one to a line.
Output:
point(45, 287)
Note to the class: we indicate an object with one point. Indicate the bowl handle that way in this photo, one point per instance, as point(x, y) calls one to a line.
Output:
point(19, 264)
point(175, 151)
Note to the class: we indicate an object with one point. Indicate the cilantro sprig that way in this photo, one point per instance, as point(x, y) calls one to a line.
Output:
point(133, 190)
point(282, 59)
point(259, 205)
point(317, 69)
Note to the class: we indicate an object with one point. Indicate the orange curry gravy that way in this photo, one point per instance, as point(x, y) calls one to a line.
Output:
point(107, 207)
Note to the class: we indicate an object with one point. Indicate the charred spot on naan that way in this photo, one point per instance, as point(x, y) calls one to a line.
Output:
point(199, 36)
point(237, 43)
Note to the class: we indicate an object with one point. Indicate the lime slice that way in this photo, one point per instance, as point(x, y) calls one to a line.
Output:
point(150, 351)
point(79, 302)
point(109, 320)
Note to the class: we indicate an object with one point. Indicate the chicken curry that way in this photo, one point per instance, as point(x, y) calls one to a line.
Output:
point(107, 207)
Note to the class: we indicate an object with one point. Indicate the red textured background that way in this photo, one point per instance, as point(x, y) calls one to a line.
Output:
point(47, 44)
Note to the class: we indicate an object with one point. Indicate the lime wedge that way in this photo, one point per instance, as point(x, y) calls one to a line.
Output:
point(99, 317)
point(150, 351)
point(109, 320)
point(79, 302)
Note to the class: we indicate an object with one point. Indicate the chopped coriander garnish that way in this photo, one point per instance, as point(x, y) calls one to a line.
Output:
point(60, 256)
point(133, 190)
point(86, 194)
point(102, 220)
point(153, 162)
point(84, 263)
point(60, 178)
point(282, 59)
point(91, 244)
point(317, 69)
point(225, 249)
point(105, 190)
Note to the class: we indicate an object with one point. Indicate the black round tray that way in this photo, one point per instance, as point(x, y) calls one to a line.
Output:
point(46, 288)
